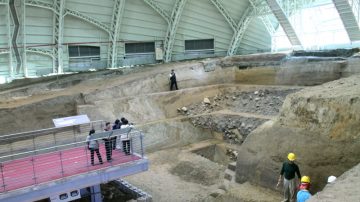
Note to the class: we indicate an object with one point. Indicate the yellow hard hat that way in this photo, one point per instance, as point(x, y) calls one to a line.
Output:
point(305, 179)
point(291, 157)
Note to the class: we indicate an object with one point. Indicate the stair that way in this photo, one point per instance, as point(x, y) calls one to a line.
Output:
point(229, 178)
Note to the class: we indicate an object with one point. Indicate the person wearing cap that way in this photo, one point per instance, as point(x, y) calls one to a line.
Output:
point(287, 173)
point(303, 193)
point(173, 80)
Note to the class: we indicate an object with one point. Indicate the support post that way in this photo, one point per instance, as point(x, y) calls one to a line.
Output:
point(118, 12)
point(59, 6)
point(141, 144)
point(2, 176)
point(11, 67)
point(23, 22)
point(96, 193)
point(172, 28)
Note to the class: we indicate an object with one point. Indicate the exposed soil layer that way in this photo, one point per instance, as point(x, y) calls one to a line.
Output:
point(317, 123)
point(320, 124)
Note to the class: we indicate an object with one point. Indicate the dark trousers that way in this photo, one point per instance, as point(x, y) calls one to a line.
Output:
point(126, 146)
point(172, 83)
point(113, 142)
point(108, 149)
point(92, 155)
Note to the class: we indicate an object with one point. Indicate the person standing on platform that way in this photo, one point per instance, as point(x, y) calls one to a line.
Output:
point(125, 139)
point(173, 80)
point(93, 146)
point(116, 126)
point(107, 142)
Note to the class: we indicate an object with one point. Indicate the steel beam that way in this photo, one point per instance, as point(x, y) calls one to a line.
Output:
point(261, 7)
point(172, 28)
point(8, 22)
point(284, 22)
point(40, 4)
point(41, 52)
point(88, 19)
point(15, 34)
point(348, 18)
point(225, 13)
point(59, 6)
point(117, 16)
point(23, 26)
point(241, 29)
point(158, 9)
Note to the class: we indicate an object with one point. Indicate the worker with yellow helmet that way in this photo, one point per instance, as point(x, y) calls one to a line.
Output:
point(287, 173)
point(303, 193)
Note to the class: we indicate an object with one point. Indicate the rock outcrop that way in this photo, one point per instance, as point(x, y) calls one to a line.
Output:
point(320, 124)
point(345, 188)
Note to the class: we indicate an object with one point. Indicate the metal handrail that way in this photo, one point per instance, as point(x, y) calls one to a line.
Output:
point(68, 160)
point(41, 131)
point(71, 144)
point(45, 138)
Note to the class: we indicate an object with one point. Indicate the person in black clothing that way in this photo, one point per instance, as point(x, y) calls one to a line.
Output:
point(107, 142)
point(288, 171)
point(173, 80)
point(117, 125)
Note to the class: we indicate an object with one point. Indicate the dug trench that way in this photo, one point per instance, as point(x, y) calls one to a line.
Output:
point(222, 113)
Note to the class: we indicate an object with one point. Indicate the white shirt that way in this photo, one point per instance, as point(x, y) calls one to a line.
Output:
point(93, 144)
point(125, 136)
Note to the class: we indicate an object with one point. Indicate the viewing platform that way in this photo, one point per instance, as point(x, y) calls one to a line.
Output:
point(50, 162)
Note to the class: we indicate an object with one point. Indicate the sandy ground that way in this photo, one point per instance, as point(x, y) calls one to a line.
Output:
point(175, 174)
point(179, 175)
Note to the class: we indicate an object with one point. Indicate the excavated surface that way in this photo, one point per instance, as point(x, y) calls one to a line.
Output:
point(237, 112)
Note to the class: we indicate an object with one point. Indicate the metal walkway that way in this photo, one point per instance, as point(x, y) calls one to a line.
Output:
point(284, 22)
point(348, 18)
point(33, 170)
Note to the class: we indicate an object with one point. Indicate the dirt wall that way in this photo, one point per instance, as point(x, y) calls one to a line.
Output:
point(172, 133)
point(319, 124)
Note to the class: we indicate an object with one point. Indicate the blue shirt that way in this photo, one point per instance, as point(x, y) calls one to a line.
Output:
point(303, 195)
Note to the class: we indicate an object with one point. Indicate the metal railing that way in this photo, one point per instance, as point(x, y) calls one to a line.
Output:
point(45, 138)
point(26, 167)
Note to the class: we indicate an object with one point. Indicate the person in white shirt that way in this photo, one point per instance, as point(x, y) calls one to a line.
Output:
point(93, 145)
point(125, 139)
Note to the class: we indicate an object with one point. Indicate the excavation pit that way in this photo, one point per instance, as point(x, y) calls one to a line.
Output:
point(215, 153)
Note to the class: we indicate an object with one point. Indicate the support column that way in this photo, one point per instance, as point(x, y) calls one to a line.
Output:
point(96, 193)
point(59, 7)
point(23, 27)
point(8, 22)
point(115, 31)
point(172, 28)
